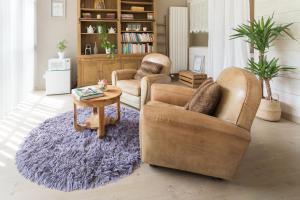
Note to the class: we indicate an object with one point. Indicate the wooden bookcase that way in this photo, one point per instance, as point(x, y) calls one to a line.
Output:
point(93, 67)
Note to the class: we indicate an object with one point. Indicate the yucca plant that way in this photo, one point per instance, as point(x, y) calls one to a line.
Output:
point(261, 34)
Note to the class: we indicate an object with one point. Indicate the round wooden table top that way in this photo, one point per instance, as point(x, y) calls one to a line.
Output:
point(111, 95)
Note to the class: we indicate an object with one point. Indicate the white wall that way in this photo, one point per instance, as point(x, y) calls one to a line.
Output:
point(49, 32)
point(288, 51)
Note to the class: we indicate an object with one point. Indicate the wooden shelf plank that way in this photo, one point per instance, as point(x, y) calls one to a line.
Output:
point(137, 3)
point(134, 54)
point(97, 33)
point(97, 20)
point(138, 20)
point(132, 11)
point(137, 31)
point(93, 55)
point(98, 10)
point(136, 42)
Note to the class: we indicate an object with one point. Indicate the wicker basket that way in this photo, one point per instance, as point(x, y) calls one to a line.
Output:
point(269, 110)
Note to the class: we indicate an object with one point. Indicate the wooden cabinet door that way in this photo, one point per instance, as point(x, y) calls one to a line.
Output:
point(108, 67)
point(131, 63)
point(90, 72)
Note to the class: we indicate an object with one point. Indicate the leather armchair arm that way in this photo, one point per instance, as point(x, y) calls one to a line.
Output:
point(171, 94)
point(124, 74)
point(147, 82)
point(198, 123)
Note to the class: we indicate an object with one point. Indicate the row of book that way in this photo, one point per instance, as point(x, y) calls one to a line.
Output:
point(137, 48)
point(137, 37)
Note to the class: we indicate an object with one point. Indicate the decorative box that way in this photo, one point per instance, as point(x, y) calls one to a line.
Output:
point(192, 79)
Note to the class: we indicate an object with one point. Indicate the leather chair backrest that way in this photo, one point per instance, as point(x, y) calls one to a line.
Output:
point(159, 59)
point(241, 96)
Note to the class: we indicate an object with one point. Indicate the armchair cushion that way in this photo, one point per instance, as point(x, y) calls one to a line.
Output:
point(206, 99)
point(206, 82)
point(132, 86)
point(148, 68)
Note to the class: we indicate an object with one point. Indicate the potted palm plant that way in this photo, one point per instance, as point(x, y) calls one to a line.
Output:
point(261, 34)
point(61, 46)
point(105, 43)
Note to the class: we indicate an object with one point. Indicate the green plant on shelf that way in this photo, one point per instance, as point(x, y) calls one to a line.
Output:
point(105, 43)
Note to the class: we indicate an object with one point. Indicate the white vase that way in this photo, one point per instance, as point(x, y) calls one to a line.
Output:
point(61, 55)
point(95, 48)
point(107, 50)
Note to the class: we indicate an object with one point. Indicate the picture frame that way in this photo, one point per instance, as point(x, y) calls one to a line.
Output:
point(199, 64)
point(58, 8)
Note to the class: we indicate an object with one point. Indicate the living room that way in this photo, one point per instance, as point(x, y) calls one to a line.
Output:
point(149, 99)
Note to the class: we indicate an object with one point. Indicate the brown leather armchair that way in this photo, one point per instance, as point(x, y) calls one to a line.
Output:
point(210, 145)
point(134, 92)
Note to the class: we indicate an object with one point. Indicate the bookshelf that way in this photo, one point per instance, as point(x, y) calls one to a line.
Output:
point(134, 36)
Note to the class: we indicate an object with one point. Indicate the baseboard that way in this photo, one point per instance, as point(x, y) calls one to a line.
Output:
point(291, 117)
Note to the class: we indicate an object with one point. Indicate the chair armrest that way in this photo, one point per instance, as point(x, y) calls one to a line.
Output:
point(188, 120)
point(124, 74)
point(171, 94)
point(147, 82)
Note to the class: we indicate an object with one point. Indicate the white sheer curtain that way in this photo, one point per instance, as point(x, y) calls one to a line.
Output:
point(17, 54)
point(223, 16)
point(198, 16)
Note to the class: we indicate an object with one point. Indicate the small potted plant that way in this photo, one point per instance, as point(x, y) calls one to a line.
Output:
point(61, 46)
point(261, 34)
point(105, 43)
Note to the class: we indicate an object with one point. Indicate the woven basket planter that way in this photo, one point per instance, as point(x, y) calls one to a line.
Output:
point(269, 110)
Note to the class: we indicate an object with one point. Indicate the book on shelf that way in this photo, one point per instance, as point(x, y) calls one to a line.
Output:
point(130, 48)
point(110, 16)
point(127, 16)
point(86, 93)
point(137, 37)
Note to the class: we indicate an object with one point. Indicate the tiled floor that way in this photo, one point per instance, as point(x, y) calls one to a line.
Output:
point(270, 170)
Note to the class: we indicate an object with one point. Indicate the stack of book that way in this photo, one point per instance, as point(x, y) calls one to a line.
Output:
point(137, 37)
point(110, 15)
point(127, 16)
point(130, 48)
point(86, 93)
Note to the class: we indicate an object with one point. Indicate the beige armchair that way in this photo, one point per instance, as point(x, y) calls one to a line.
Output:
point(211, 145)
point(137, 92)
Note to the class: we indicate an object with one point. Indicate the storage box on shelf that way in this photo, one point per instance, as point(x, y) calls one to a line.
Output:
point(133, 17)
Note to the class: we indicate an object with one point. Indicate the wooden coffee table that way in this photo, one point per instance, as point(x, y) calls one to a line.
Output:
point(98, 120)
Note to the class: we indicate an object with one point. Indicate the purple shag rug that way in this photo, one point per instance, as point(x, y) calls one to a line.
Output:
point(58, 157)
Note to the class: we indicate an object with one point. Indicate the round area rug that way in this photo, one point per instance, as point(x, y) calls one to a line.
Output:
point(58, 157)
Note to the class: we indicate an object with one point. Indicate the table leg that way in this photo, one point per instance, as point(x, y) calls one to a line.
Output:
point(77, 127)
point(118, 111)
point(95, 110)
point(101, 129)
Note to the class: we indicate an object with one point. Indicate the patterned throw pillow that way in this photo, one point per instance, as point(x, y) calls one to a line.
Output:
point(148, 68)
point(206, 98)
